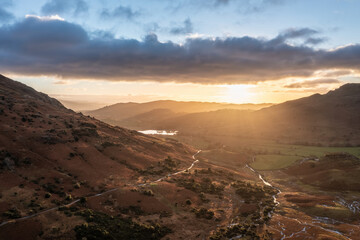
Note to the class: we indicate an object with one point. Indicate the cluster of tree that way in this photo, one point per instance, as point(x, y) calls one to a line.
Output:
point(249, 191)
point(203, 213)
point(12, 213)
point(165, 166)
point(204, 186)
point(248, 222)
point(246, 230)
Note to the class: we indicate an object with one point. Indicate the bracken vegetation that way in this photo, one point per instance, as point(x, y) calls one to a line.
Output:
point(165, 166)
point(260, 198)
point(206, 185)
point(102, 226)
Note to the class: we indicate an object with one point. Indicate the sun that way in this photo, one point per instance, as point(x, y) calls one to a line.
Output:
point(238, 93)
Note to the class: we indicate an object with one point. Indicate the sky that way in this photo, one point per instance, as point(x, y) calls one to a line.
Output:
point(99, 52)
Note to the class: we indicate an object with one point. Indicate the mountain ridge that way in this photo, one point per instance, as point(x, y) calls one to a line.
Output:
point(120, 111)
point(326, 119)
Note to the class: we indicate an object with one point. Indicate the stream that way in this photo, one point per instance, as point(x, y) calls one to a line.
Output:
point(266, 183)
point(354, 206)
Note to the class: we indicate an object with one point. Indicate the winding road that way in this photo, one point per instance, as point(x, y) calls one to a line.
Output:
point(103, 193)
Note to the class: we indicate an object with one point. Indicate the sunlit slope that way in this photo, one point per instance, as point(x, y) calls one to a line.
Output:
point(121, 111)
point(329, 119)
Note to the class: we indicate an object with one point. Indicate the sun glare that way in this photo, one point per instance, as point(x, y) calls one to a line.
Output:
point(238, 93)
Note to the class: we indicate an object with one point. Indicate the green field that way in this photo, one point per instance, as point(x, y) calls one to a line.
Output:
point(269, 155)
point(299, 150)
point(264, 147)
point(224, 158)
point(272, 162)
point(337, 212)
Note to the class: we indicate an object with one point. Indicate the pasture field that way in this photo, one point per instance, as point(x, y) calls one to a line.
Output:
point(337, 212)
point(300, 150)
point(269, 155)
point(262, 147)
point(273, 162)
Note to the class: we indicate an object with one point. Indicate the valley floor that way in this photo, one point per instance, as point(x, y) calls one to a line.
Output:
point(223, 193)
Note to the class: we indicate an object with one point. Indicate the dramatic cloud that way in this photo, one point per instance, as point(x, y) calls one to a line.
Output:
point(221, 2)
point(253, 6)
point(46, 18)
point(53, 47)
point(312, 83)
point(61, 82)
point(76, 7)
point(298, 33)
point(120, 12)
point(242, 6)
point(100, 34)
point(151, 27)
point(5, 15)
point(305, 34)
point(314, 41)
point(6, 3)
point(186, 28)
point(337, 73)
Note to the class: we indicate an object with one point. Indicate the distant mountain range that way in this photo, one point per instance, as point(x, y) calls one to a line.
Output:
point(329, 119)
point(144, 115)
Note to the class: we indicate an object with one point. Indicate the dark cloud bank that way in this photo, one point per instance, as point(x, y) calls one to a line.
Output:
point(312, 83)
point(38, 47)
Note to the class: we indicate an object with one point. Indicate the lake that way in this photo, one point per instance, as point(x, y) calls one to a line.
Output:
point(159, 132)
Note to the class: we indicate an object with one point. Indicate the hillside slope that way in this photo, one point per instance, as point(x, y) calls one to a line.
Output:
point(329, 119)
point(121, 111)
point(35, 123)
point(67, 176)
point(50, 155)
point(339, 107)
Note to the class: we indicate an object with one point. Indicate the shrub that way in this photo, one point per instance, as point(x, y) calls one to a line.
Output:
point(148, 193)
point(12, 213)
point(203, 213)
point(68, 197)
point(83, 200)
